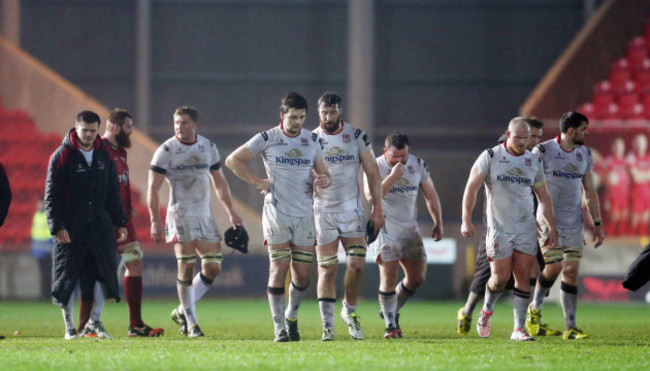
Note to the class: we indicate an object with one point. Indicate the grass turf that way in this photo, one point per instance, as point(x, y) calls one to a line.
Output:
point(239, 335)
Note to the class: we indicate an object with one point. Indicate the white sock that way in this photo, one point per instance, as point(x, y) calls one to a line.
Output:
point(201, 284)
point(295, 298)
point(388, 305)
point(98, 303)
point(276, 297)
point(349, 309)
point(186, 296)
point(68, 314)
point(326, 306)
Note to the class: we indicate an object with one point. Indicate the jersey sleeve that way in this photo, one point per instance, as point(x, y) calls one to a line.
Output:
point(424, 171)
point(362, 140)
point(590, 160)
point(540, 177)
point(482, 163)
point(215, 163)
point(160, 160)
point(256, 144)
point(318, 145)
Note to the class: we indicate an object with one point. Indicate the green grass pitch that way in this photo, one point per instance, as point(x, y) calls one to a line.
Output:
point(239, 336)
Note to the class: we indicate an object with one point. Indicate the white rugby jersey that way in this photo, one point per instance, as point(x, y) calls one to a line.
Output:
point(342, 153)
point(508, 183)
point(564, 172)
point(187, 171)
point(399, 204)
point(288, 162)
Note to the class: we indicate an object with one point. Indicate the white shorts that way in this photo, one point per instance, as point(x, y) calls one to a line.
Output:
point(332, 225)
point(190, 228)
point(389, 248)
point(280, 228)
point(567, 238)
point(500, 245)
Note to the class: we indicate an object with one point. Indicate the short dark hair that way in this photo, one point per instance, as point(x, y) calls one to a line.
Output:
point(329, 98)
point(572, 119)
point(397, 140)
point(89, 117)
point(293, 100)
point(534, 122)
point(118, 116)
point(188, 110)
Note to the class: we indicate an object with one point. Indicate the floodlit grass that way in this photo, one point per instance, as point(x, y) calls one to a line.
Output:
point(240, 333)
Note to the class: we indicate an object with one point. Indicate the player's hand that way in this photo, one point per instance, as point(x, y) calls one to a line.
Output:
point(598, 236)
point(437, 232)
point(264, 185)
point(320, 180)
point(235, 220)
point(62, 236)
point(551, 241)
point(398, 170)
point(122, 234)
point(467, 229)
point(157, 232)
point(377, 218)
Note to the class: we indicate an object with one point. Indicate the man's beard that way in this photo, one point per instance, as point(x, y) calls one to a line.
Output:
point(331, 127)
point(123, 140)
point(579, 141)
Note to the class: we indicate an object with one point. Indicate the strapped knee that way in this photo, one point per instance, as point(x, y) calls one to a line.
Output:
point(132, 253)
point(211, 258)
point(553, 256)
point(302, 257)
point(572, 255)
point(356, 251)
point(326, 261)
point(279, 254)
point(189, 259)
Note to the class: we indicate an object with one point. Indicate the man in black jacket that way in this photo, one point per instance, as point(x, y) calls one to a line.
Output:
point(82, 202)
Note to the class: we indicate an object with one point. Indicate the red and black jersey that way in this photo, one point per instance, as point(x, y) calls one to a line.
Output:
point(118, 156)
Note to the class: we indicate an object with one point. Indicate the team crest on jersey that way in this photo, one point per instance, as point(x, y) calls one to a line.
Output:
point(346, 138)
point(559, 156)
point(504, 160)
point(410, 169)
point(579, 156)
point(528, 162)
point(304, 142)
point(294, 153)
point(201, 148)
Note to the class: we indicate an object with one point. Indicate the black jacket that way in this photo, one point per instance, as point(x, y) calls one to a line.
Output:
point(5, 195)
point(84, 200)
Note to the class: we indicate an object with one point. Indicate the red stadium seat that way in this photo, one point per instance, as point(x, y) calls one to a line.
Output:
point(636, 52)
point(620, 72)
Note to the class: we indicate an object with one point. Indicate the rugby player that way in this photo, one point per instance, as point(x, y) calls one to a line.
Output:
point(189, 162)
point(293, 158)
point(509, 171)
point(569, 170)
point(338, 213)
point(399, 243)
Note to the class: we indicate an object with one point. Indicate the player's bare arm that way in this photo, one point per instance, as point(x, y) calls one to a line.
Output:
point(433, 205)
point(222, 190)
point(396, 174)
point(474, 183)
point(322, 177)
point(236, 162)
point(373, 181)
point(546, 207)
point(153, 203)
point(593, 206)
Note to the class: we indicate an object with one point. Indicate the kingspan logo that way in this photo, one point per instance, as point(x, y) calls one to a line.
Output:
point(403, 186)
point(337, 154)
point(570, 171)
point(193, 163)
point(293, 157)
point(514, 175)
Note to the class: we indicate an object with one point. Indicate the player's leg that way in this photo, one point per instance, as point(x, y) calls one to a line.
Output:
point(477, 290)
point(68, 315)
point(279, 261)
point(522, 264)
point(388, 297)
point(186, 259)
point(355, 249)
point(569, 293)
point(301, 259)
point(326, 290)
